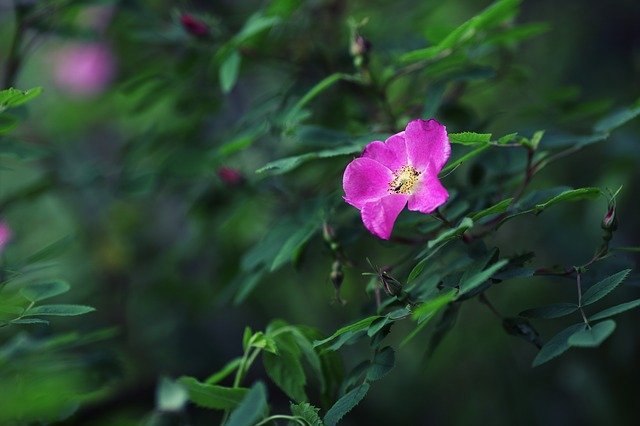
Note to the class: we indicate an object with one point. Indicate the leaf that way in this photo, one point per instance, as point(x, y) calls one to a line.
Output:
point(287, 164)
point(224, 372)
point(212, 396)
point(41, 291)
point(383, 362)
point(252, 408)
point(285, 369)
point(562, 141)
point(570, 195)
point(604, 287)
point(555, 310)
point(255, 24)
point(7, 123)
point(594, 336)
point(294, 245)
point(59, 310)
point(307, 412)
point(356, 326)
point(492, 15)
point(557, 345)
point(229, 71)
point(345, 404)
point(263, 341)
point(615, 310)
point(446, 323)
point(500, 207)
point(29, 321)
point(466, 157)
point(429, 308)
point(11, 97)
point(617, 119)
point(323, 85)
point(470, 138)
point(467, 284)
point(171, 395)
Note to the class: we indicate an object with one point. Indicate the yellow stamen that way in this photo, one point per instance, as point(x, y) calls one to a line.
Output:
point(404, 181)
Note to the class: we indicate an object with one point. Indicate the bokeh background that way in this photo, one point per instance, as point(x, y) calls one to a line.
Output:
point(118, 165)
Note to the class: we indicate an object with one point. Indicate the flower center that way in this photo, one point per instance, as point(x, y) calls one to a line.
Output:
point(404, 181)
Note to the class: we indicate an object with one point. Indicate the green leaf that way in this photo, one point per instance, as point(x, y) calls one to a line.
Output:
point(323, 85)
point(29, 321)
point(615, 310)
point(466, 157)
point(41, 291)
point(617, 119)
point(252, 408)
point(535, 140)
point(594, 336)
point(263, 341)
point(229, 71)
point(11, 97)
point(604, 287)
point(255, 24)
point(224, 372)
point(557, 345)
point(500, 207)
point(286, 371)
point(565, 141)
point(345, 404)
point(59, 310)
point(212, 396)
point(570, 195)
point(285, 165)
point(7, 123)
point(171, 395)
point(555, 310)
point(429, 308)
point(294, 245)
point(452, 233)
point(383, 362)
point(469, 283)
point(356, 326)
point(307, 412)
point(470, 138)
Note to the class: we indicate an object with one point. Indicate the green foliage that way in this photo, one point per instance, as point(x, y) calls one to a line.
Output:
point(555, 310)
point(251, 408)
point(346, 404)
point(382, 363)
point(604, 287)
point(308, 413)
point(213, 396)
point(592, 336)
point(557, 345)
point(615, 310)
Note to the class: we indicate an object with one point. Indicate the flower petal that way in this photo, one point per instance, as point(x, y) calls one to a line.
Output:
point(427, 142)
point(365, 180)
point(380, 216)
point(391, 153)
point(429, 195)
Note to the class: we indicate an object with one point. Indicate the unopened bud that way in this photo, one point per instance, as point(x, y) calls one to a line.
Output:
point(194, 26)
point(360, 46)
point(336, 276)
point(328, 233)
point(610, 220)
point(231, 177)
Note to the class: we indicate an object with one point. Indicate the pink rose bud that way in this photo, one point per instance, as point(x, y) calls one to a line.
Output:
point(610, 222)
point(231, 177)
point(5, 234)
point(194, 26)
point(84, 69)
point(360, 46)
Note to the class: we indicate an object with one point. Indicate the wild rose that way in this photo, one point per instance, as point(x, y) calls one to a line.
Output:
point(84, 69)
point(403, 170)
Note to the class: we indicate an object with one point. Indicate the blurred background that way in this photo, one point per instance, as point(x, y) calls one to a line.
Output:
point(134, 171)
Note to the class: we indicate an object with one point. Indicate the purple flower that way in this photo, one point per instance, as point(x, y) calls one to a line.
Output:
point(84, 69)
point(399, 171)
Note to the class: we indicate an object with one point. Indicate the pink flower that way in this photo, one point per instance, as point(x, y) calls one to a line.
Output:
point(5, 234)
point(84, 69)
point(402, 170)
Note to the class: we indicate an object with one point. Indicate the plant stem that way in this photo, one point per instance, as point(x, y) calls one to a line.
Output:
point(579, 285)
point(283, 417)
